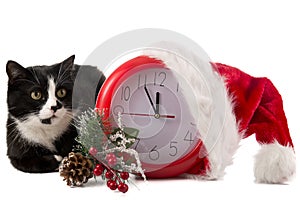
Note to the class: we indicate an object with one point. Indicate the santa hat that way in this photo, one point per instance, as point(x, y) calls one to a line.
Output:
point(259, 110)
point(252, 106)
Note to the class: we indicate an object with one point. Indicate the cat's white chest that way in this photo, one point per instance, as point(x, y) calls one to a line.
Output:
point(37, 133)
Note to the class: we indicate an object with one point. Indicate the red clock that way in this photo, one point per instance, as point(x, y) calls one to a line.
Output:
point(151, 97)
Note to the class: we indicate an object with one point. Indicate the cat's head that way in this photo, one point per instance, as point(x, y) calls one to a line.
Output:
point(41, 94)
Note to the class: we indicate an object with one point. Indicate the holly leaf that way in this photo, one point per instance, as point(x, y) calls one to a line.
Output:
point(131, 132)
point(125, 136)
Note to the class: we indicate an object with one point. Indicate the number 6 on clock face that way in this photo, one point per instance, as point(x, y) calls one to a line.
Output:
point(149, 97)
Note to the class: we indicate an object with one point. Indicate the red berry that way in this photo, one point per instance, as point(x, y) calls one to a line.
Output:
point(111, 159)
point(123, 187)
point(109, 175)
point(93, 151)
point(112, 162)
point(108, 182)
point(124, 175)
point(98, 171)
point(112, 184)
point(110, 155)
point(99, 166)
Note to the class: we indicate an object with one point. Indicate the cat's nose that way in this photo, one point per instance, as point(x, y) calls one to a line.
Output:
point(58, 106)
point(54, 108)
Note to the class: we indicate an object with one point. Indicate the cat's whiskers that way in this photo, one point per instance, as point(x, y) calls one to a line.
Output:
point(14, 137)
point(26, 80)
point(12, 123)
point(33, 72)
point(12, 108)
point(64, 80)
point(70, 115)
point(59, 71)
point(18, 139)
point(61, 77)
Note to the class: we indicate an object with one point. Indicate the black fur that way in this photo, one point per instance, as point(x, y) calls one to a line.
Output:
point(83, 81)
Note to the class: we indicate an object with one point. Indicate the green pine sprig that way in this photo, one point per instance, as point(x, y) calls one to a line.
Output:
point(96, 133)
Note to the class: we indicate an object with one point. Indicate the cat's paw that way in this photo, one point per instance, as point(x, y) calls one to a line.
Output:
point(58, 158)
point(274, 163)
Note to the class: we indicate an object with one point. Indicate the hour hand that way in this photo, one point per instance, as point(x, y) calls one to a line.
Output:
point(157, 103)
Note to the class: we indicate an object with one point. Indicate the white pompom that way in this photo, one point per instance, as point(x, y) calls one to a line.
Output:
point(274, 163)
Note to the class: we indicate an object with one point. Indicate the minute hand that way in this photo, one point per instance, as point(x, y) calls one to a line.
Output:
point(149, 98)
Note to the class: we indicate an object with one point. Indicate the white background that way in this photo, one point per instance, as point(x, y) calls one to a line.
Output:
point(260, 37)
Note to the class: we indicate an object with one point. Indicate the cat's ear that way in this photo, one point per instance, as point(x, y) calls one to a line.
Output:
point(15, 71)
point(69, 62)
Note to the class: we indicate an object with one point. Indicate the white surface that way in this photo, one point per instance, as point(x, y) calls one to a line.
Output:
point(259, 37)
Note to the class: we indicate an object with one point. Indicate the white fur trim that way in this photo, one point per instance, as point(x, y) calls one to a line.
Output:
point(221, 155)
point(274, 163)
point(216, 121)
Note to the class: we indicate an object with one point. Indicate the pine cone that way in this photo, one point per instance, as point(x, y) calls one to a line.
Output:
point(76, 169)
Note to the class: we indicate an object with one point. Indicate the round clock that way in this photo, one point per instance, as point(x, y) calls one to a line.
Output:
point(163, 84)
point(158, 101)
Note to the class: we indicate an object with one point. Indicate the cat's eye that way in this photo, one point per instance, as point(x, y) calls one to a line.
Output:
point(61, 93)
point(36, 95)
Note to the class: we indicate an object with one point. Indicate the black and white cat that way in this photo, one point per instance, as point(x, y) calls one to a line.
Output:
point(42, 103)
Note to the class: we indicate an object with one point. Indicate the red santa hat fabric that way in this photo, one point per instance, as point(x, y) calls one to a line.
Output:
point(259, 110)
point(257, 105)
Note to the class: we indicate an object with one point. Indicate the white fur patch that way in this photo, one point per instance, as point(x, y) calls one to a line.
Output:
point(46, 111)
point(58, 158)
point(274, 163)
point(33, 130)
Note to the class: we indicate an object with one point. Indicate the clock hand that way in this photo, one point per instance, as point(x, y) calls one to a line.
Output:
point(149, 98)
point(149, 115)
point(157, 103)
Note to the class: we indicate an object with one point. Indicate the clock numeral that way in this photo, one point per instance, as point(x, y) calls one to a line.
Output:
point(177, 88)
point(163, 76)
point(137, 141)
point(189, 137)
point(173, 148)
point(158, 79)
point(125, 94)
point(142, 82)
point(154, 154)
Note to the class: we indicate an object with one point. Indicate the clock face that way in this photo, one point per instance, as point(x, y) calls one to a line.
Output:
point(164, 86)
point(151, 100)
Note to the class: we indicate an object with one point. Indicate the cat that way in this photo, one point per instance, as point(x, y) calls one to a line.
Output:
point(42, 104)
